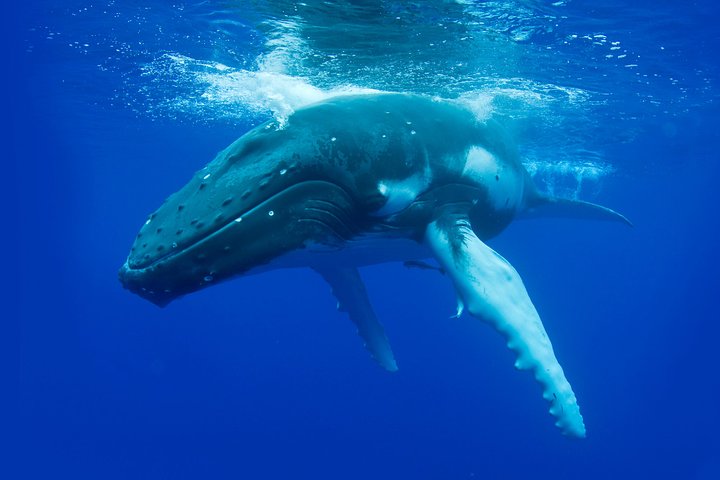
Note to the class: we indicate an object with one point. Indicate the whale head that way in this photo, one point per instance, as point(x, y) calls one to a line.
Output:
point(251, 205)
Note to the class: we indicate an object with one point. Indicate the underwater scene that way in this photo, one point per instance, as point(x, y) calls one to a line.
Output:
point(362, 239)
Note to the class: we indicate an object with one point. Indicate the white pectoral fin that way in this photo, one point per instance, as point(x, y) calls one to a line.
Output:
point(492, 290)
point(349, 290)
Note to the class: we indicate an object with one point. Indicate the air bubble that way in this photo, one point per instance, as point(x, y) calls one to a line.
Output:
point(238, 220)
point(174, 245)
point(412, 132)
point(208, 278)
point(333, 139)
point(206, 176)
point(283, 171)
point(271, 213)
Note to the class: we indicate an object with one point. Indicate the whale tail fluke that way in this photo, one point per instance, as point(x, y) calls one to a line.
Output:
point(544, 206)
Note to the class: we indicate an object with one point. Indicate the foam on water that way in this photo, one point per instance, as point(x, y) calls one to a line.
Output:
point(225, 92)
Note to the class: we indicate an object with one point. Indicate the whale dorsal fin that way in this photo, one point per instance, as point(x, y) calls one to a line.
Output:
point(490, 289)
point(349, 290)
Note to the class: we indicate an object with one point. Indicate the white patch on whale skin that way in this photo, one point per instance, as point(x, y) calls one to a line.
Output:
point(504, 187)
point(401, 193)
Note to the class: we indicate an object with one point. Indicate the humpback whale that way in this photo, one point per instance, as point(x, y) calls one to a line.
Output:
point(359, 180)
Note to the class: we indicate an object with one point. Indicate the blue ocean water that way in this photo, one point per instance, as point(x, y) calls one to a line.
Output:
point(113, 105)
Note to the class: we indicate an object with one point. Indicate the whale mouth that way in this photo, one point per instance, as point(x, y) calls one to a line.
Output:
point(149, 262)
point(288, 220)
point(172, 272)
point(266, 208)
point(171, 275)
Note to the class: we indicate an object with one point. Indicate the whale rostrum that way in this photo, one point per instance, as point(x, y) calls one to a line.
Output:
point(360, 180)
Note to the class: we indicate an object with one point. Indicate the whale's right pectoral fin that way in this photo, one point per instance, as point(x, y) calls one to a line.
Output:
point(492, 290)
point(348, 288)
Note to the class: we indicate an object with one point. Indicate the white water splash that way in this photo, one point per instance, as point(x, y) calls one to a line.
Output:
point(225, 92)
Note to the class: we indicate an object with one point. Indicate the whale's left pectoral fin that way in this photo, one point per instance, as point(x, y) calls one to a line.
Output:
point(492, 290)
point(348, 288)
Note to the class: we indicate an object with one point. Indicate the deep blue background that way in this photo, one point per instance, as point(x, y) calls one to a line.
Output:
point(261, 378)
